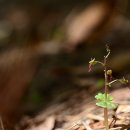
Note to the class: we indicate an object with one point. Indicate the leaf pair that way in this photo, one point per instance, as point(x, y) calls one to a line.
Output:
point(105, 102)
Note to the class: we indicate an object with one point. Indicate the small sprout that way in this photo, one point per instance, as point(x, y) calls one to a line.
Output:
point(123, 81)
point(106, 100)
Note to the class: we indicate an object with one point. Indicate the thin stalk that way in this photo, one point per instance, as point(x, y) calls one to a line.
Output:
point(112, 81)
point(100, 63)
point(106, 118)
point(106, 92)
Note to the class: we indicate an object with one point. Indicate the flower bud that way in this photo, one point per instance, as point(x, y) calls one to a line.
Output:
point(92, 62)
point(109, 72)
point(123, 81)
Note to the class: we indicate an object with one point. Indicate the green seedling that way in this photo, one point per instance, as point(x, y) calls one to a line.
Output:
point(105, 100)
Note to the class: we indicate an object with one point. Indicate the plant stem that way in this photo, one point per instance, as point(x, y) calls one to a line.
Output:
point(112, 81)
point(100, 63)
point(106, 92)
point(106, 118)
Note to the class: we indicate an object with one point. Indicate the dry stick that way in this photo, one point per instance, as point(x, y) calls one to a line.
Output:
point(113, 121)
point(86, 125)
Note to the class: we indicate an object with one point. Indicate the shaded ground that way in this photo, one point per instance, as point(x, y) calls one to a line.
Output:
point(75, 110)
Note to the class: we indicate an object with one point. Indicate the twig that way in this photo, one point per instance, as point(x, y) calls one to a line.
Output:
point(113, 121)
point(117, 128)
point(86, 124)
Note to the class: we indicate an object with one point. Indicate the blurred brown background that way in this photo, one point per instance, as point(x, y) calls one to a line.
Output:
point(45, 46)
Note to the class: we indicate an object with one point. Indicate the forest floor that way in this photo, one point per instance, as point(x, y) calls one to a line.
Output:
point(76, 110)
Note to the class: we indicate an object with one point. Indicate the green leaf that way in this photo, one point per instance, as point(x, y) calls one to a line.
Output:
point(111, 105)
point(109, 98)
point(101, 97)
point(105, 102)
point(101, 104)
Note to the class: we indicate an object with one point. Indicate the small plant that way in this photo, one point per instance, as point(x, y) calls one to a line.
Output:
point(105, 100)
